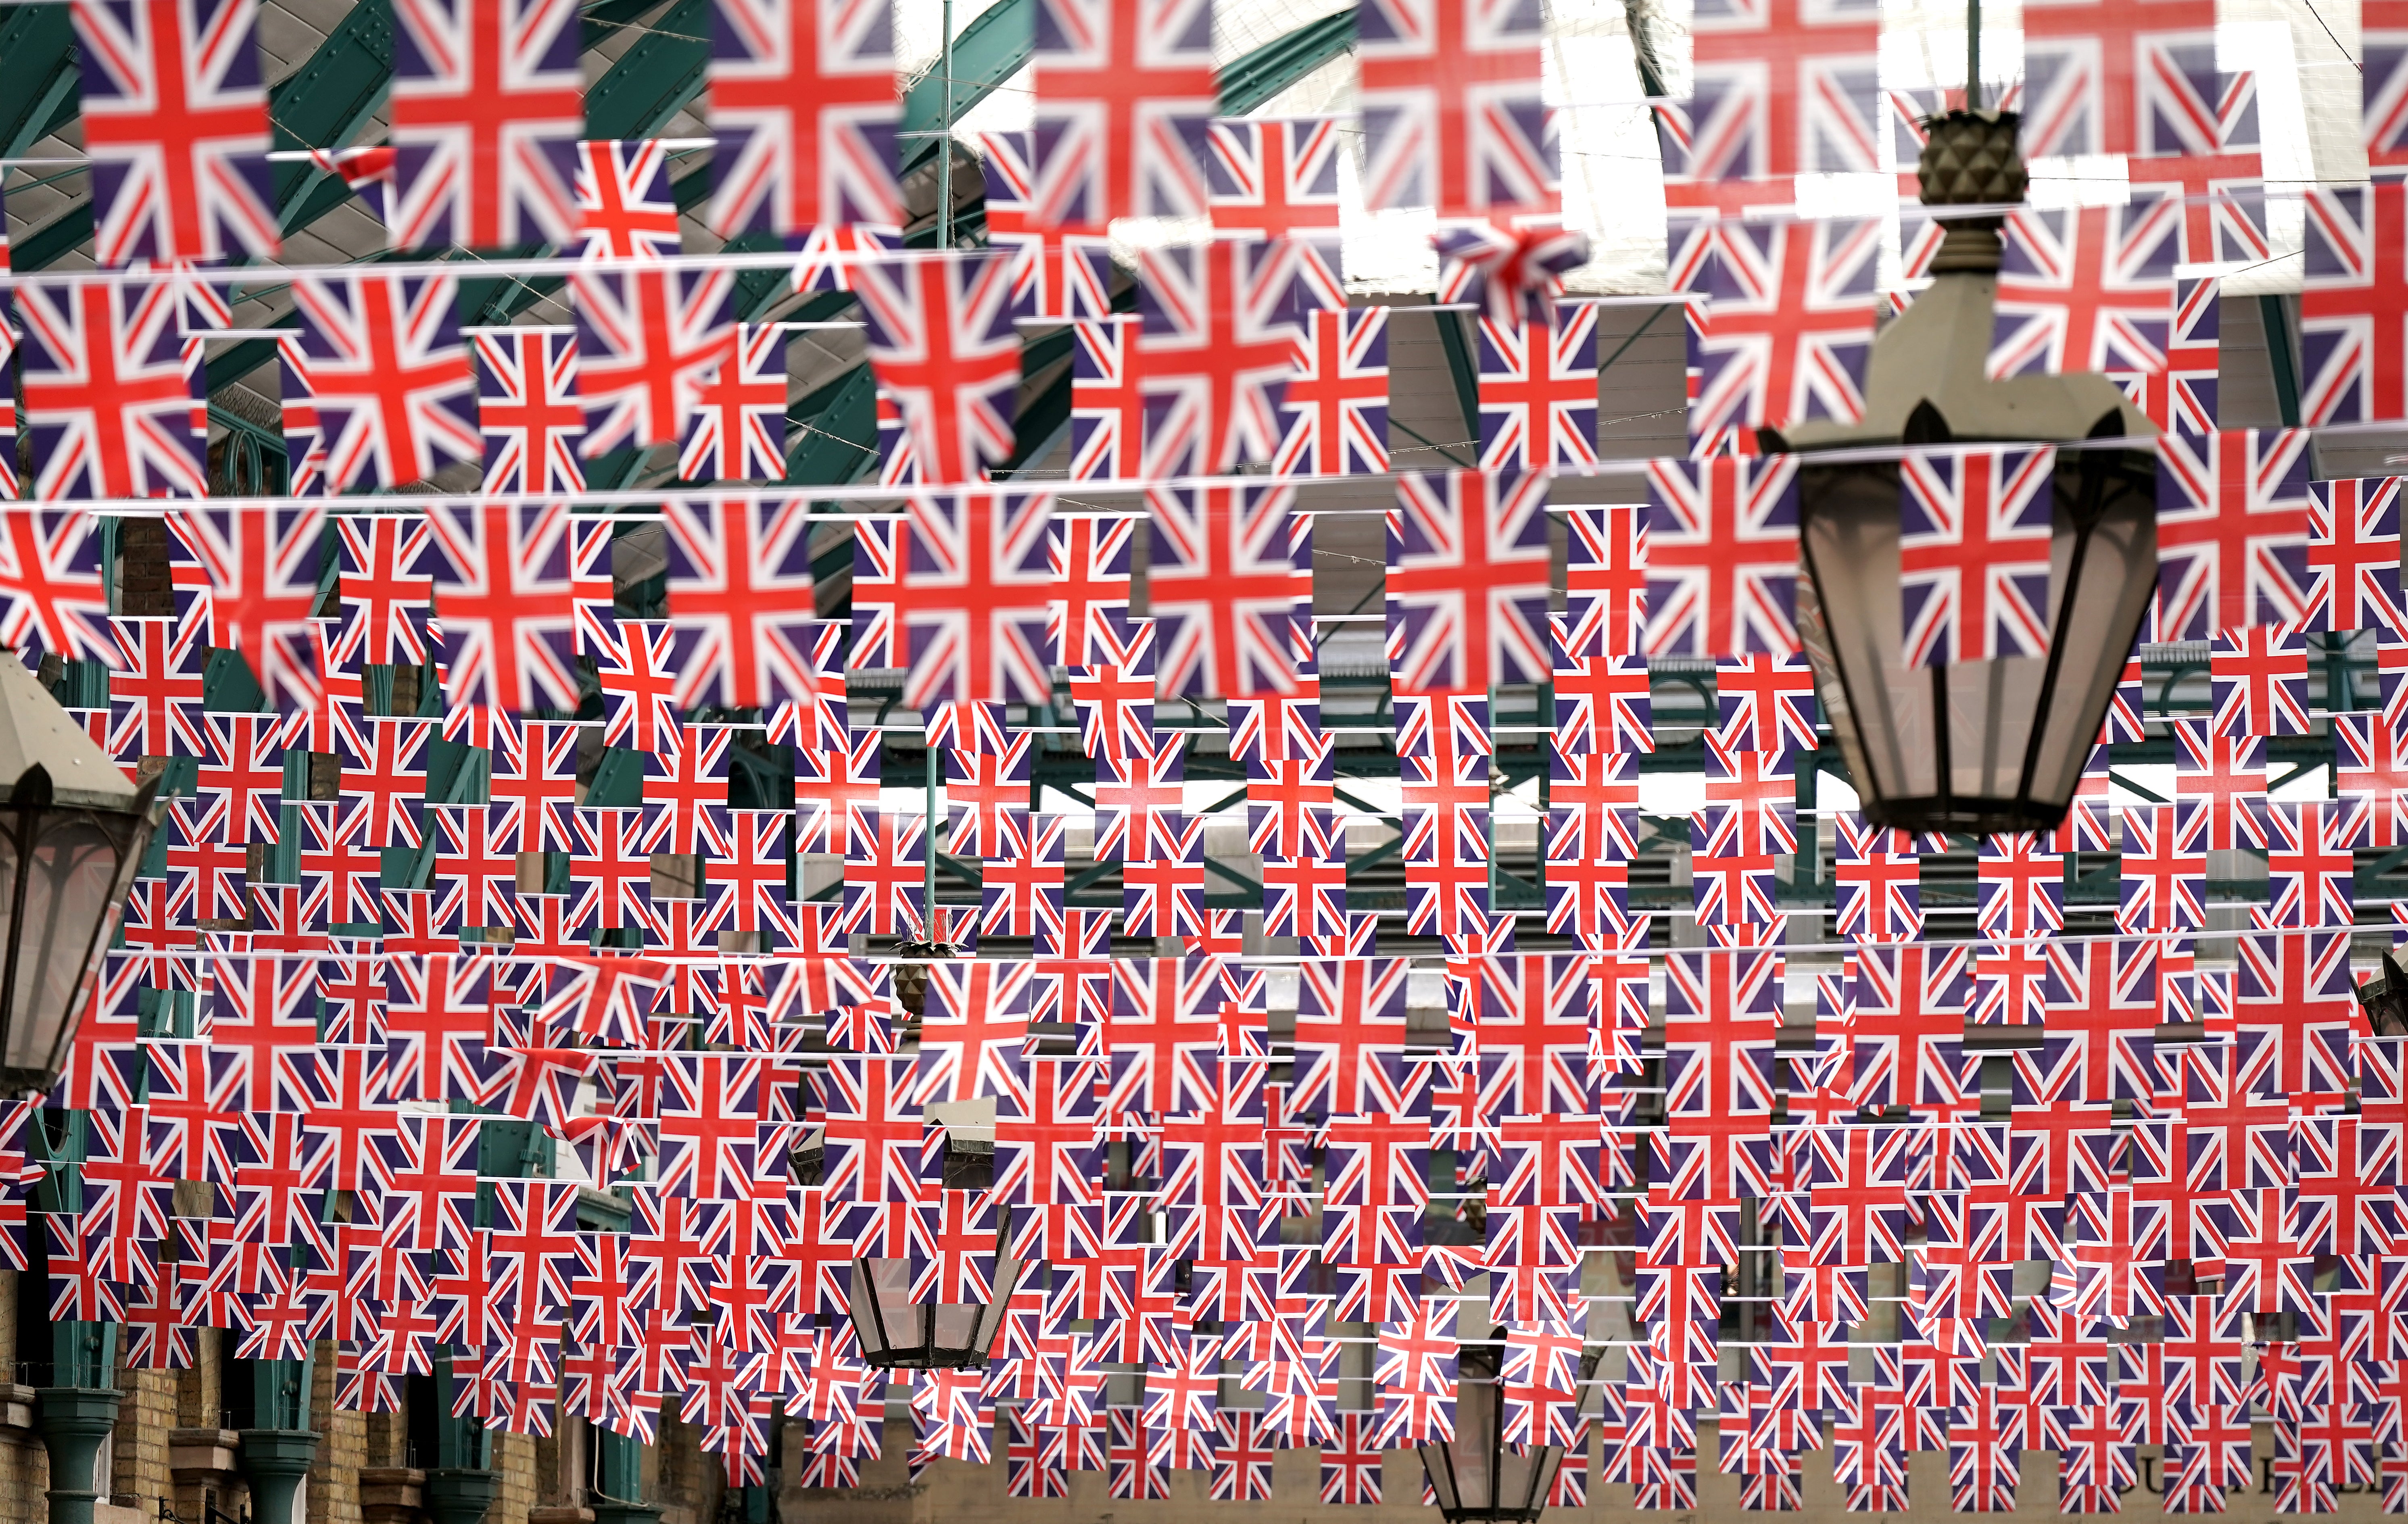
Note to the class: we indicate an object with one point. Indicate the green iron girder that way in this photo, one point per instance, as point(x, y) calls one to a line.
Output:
point(1460, 367)
point(54, 240)
point(833, 433)
point(322, 103)
point(38, 76)
point(655, 77)
point(1252, 81)
point(987, 52)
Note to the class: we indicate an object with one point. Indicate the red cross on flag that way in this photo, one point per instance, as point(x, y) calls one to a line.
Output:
point(110, 390)
point(1790, 327)
point(175, 122)
point(527, 409)
point(1277, 178)
point(1452, 114)
point(1538, 389)
point(2088, 288)
point(1466, 584)
point(488, 106)
point(1125, 97)
point(647, 342)
point(1722, 557)
point(623, 203)
point(803, 102)
point(956, 593)
point(385, 366)
point(942, 345)
point(1973, 538)
point(1782, 87)
point(1336, 403)
point(2106, 78)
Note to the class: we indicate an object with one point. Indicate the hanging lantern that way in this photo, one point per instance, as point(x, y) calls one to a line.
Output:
point(72, 833)
point(1978, 746)
point(897, 1332)
point(1477, 1477)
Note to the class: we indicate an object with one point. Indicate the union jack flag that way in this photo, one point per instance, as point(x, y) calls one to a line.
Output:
point(502, 595)
point(2353, 345)
point(2087, 287)
point(2234, 527)
point(1782, 87)
point(2371, 763)
point(739, 597)
point(488, 106)
point(111, 392)
point(527, 409)
point(1791, 327)
point(2310, 861)
point(1722, 557)
point(2258, 677)
point(1065, 277)
point(383, 352)
point(175, 122)
point(1278, 180)
point(388, 604)
point(2353, 560)
point(1215, 348)
point(1089, 556)
point(1125, 99)
point(1973, 538)
point(1107, 400)
point(2101, 81)
point(1605, 580)
point(737, 427)
point(1467, 154)
point(2182, 395)
point(1602, 702)
point(52, 595)
point(1229, 575)
point(1878, 879)
point(942, 345)
point(803, 102)
point(1538, 390)
point(261, 571)
point(648, 341)
point(956, 593)
point(1467, 580)
point(2164, 871)
point(623, 202)
point(1335, 403)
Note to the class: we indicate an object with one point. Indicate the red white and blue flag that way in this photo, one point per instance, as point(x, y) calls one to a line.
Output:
point(803, 102)
point(175, 123)
point(1974, 554)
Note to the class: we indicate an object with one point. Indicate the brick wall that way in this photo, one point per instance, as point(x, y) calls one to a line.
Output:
point(334, 1491)
point(145, 1416)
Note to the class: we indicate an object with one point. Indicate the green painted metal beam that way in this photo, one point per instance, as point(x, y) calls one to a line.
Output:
point(1254, 80)
point(655, 77)
point(54, 240)
point(1460, 366)
point(834, 432)
point(39, 78)
point(2276, 313)
point(987, 52)
point(323, 103)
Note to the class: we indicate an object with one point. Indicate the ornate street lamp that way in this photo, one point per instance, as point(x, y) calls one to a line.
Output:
point(897, 1332)
point(1478, 1477)
point(72, 835)
point(1990, 745)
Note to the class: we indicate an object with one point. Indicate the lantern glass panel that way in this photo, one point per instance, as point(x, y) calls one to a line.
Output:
point(71, 886)
point(1986, 746)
